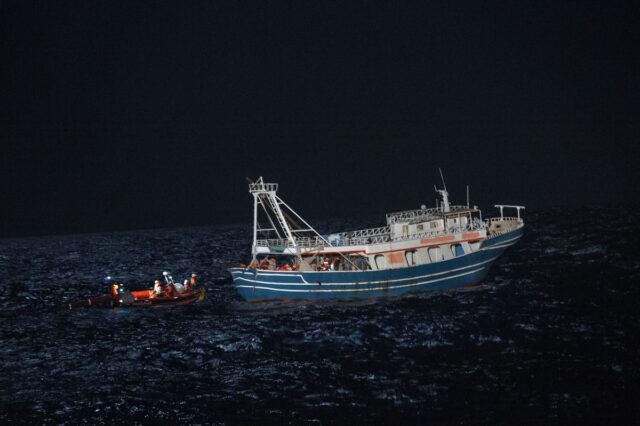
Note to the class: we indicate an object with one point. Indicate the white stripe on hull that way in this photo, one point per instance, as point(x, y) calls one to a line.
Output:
point(360, 289)
point(502, 244)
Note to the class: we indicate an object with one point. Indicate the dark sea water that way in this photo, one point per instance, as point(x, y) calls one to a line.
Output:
point(551, 336)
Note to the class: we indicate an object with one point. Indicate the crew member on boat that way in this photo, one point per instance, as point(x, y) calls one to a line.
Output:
point(170, 290)
point(334, 263)
point(268, 263)
point(157, 289)
point(325, 264)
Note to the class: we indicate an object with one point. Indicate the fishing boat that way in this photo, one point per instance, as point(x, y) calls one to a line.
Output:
point(424, 249)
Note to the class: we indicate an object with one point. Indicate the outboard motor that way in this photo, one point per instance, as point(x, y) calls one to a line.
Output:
point(126, 298)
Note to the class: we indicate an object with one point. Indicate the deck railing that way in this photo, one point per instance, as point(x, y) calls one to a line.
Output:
point(505, 219)
point(411, 215)
point(371, 232)
point(262, 187)
point(364, 237)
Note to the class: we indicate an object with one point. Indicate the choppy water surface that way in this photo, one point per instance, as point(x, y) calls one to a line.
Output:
point(552, 334)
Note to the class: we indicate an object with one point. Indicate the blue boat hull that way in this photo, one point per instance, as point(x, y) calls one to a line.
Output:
point(468, 269)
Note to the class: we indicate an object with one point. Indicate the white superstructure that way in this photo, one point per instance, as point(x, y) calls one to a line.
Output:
point(411, 237)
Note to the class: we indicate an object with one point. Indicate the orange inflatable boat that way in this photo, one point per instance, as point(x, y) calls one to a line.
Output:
point(140, 298)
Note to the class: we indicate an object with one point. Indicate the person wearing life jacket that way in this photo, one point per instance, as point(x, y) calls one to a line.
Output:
point(193, 282)
point(170, 290)
point(157, 289)
point(272, 263)
point(114, 290)
point(264, 264)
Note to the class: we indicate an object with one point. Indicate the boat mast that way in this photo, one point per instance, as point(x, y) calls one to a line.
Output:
point(445, 195)
point(265, 193)
point(467, 196)
point(255, 228)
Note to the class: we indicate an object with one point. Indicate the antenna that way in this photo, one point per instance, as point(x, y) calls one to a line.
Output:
point(467, 196)
point(444, 185)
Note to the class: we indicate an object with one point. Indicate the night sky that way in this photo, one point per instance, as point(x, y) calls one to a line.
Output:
point(126, 115)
